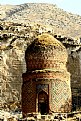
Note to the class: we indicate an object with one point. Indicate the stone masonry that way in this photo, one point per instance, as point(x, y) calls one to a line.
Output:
point(46, 82)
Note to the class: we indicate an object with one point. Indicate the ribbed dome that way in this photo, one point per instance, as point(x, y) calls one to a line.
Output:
point(45, 52)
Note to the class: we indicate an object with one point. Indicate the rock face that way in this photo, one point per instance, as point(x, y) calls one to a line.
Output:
point(73, 66)
point(46, 83)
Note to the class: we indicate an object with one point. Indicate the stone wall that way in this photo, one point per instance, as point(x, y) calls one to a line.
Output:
point(59, 92)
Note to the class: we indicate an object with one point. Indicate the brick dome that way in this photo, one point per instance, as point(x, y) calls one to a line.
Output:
point(46, 83)
point(45, 52)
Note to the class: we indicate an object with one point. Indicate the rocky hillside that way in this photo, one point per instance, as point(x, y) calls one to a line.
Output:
point(46, 14)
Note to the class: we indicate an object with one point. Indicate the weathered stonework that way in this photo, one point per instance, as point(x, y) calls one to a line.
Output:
point(46, 80)
point(74, 67)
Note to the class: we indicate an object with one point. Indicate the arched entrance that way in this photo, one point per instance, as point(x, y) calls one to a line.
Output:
point(43, 102)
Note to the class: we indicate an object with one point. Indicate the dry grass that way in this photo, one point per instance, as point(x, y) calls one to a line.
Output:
point(47, 39)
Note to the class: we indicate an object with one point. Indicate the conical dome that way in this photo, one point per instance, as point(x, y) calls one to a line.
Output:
point(44, 52)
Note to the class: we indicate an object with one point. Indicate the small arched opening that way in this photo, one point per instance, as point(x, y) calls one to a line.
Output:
point(43, 103)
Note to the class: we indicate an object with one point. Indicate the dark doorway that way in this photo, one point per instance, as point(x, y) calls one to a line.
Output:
point(76, 103)
point(43, 103)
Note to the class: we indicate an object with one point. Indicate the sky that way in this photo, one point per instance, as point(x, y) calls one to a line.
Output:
point(73, 6)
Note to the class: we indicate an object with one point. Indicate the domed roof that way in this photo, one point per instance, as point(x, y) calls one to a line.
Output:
point(44, 51)
point(45, 40)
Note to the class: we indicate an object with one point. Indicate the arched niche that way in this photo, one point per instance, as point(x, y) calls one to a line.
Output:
point(43, 102)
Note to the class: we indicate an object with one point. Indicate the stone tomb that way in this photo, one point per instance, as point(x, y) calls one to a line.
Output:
point(46, 83)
